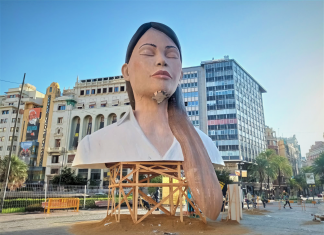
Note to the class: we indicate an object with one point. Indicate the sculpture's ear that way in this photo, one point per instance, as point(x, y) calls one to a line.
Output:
point(124, 71)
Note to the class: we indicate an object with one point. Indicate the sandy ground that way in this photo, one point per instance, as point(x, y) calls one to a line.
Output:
point(157, 224)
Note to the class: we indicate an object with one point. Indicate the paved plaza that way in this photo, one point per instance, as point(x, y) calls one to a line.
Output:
point(261, 221)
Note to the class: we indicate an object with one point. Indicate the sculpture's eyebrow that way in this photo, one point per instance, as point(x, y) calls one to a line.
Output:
point(150, 44)
point(153, 45)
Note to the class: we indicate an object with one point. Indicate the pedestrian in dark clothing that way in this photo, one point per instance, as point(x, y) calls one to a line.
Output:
point(263, 199)
point(286, 197)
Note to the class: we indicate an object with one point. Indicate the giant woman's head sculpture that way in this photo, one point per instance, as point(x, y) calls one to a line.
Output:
point(153, 70)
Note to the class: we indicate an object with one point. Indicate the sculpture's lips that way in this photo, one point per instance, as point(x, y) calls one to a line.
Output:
point(161, 74)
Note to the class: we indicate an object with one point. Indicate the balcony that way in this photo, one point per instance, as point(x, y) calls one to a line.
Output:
point(55, 149)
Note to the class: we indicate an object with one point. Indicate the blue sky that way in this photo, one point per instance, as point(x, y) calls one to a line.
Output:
point(280, 43)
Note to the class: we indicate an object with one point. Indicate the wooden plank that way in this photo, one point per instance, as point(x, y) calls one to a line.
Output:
point(132, 172)
point(124, 199)
point(196, 209)
point(128, 206)
point(171, 194)
point(180, 200)
point(120, 189)
point(128, 185)
point(156, 206)
point(157, 171)
point(135, 199)
point(150, 200)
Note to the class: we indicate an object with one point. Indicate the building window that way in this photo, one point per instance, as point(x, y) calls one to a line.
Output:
point(2, 139)
point(54, 171)
point(60, 120)
point(51, 89)
point(1, 130)
point(103, 105)
point(70, 158)
point(13, 120)
point(87, 92)
point(0, 148)
point(18, 120)
point(104, 90)
point(55, 159)
point(11, 96)
point(8, 148)
point(14, 111)
point(11, 129)
point(98, 91)
point(4, 120)
point(83, 173)
point(80, 107)
point(15, 138)
point(93, 91)
point(11, 103)
point(122, 88)
point(14, 148)
point(91, 106)
point(116, 89)
point(4, 129)
point(61, 107)
point(5, 112)
point(57, 143)
point(110, 89)
point(82, 92)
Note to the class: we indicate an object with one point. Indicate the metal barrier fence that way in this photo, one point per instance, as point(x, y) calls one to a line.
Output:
point(30, 197)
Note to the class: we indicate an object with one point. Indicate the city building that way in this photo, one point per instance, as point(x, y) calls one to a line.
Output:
point(91, 105)
point(234, 111)
point(8, 111)
point(314, 152)
point(193, 86)
point(36, 126)
point(271, 139)
point(290, 148)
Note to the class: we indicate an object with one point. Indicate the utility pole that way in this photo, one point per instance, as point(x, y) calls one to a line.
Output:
point(5, 184)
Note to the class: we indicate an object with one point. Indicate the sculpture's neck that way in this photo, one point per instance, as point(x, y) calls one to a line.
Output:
point(153, 120)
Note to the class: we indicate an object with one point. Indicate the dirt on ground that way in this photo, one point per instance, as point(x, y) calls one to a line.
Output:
point(317, 222)
point(157, 224)
point(256, 212)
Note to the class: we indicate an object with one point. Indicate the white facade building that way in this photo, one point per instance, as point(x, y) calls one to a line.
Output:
point(91, 105)
point(8, 110)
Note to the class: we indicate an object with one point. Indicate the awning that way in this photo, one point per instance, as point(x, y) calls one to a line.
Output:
point(126, 100)
point(79, 104)
point(92, 103)
point(103, 102)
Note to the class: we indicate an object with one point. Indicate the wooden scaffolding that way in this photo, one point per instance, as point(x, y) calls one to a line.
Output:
point(170, 169)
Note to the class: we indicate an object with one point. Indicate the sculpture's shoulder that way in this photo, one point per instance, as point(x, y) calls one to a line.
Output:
point(211, 148)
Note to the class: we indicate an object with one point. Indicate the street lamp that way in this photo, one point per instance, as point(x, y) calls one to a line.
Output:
point(240, 164)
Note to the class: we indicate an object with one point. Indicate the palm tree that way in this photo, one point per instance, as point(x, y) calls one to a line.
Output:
point(318, 167)
point(281, 166)
point(258, 169)
point(17, 174)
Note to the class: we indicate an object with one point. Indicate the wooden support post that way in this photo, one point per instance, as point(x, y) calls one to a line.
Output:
point(171, 195)
point(135, 199)
point(180, 199)
point(120, 189)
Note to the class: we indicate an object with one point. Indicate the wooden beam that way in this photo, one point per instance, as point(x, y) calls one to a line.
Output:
point(132, 172)
point(128, 206)
point(120, 189)
point(135, 199)
point(124, 199)
point(157, 171)
point(196, 209)
point(156, 206)
point(150, 200)
point(127, 185)
point(181, 209)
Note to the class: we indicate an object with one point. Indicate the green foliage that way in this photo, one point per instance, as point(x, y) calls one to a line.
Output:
point(318, 167)
point(13, 210)
point(258, 169)
point(68, 177)
point(223, 176)
point(157, 179)
point(17, 174)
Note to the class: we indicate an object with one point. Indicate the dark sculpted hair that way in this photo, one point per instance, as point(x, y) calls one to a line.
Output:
point(179, 122)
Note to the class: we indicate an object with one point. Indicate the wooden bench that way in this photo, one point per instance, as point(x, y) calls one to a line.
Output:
point(61, 203)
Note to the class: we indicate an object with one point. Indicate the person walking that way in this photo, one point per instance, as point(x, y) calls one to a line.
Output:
point(263, 199)
point(286, 198)
point(248, 199)
point(254, 201)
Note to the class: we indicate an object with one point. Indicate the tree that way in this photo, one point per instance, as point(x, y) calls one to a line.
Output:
point(258, 168)
point(318, 167)
point(17, 174)
point(223, 176)
point(157, 179)
point(281, 166)
point(68, 177)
